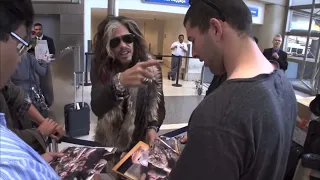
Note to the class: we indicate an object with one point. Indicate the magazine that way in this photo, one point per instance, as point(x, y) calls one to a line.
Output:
point(42, 50)
point(144, 162)
point(82, 162)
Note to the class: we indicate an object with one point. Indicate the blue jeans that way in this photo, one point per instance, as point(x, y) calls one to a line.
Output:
point(174, 66)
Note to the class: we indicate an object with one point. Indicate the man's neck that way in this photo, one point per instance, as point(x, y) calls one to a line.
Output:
point(40, 37)
point(243, 59)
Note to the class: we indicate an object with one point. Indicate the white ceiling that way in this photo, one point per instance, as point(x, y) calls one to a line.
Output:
point(102, 12)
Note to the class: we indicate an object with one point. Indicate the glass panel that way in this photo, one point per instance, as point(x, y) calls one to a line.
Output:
point(295, 47)
point(299, 21)
point(316, 18)
point(302, 2)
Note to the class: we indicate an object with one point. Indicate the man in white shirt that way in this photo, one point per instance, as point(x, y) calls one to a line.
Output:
point(178, 48)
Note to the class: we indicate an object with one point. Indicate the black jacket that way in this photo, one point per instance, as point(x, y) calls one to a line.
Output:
point(50, 42)
point(283, 62)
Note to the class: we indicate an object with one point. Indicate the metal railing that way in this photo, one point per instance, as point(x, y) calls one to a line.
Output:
point(178, 70)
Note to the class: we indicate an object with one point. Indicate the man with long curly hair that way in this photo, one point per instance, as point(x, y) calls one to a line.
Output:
point(127, 93)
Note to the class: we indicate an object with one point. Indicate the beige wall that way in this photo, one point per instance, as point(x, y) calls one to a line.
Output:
point(172, 29)
point(274, 23)
point(95, 21)
point(153, 32)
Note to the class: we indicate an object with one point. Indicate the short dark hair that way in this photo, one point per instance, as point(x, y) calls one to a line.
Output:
point(37, 24)
point(15, 13)
point(235, 12)
point(181, 35)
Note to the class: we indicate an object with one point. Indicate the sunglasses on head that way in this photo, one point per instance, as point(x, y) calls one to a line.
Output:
point(128, 39)
point(22, 46)
point(211, 4)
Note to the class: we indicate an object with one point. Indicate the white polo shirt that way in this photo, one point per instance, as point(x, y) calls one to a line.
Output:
point(178, 51)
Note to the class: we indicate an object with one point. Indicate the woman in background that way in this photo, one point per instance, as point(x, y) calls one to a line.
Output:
point(27, 76)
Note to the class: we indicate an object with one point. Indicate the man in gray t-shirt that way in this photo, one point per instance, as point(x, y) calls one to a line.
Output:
point(243, 129)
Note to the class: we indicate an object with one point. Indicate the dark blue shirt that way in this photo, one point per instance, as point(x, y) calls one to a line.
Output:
point(275, 50)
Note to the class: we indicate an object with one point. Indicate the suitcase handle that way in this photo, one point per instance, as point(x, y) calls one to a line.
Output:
point(75, 87)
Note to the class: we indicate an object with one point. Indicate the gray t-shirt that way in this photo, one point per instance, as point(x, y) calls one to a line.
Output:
point(242, 130)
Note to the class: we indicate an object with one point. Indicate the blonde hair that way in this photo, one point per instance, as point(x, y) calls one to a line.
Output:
point(104, 57)
point(109, 28)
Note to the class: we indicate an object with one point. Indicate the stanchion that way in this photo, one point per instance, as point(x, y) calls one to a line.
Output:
point(86, 83)
point(178, 73)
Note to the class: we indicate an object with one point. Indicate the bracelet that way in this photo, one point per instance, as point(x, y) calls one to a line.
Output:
point(119, 90)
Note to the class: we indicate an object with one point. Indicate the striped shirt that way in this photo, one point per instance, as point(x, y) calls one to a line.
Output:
point(18, 160)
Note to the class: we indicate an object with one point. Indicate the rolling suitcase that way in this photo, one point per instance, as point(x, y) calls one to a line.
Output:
point(77, 114)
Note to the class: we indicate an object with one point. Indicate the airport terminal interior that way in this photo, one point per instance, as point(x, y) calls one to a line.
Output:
point(72, 24)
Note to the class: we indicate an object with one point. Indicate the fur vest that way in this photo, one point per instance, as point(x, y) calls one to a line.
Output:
point(116, 129)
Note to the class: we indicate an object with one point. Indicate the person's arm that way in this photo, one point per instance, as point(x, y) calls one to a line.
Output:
point(35, 115)
point(26, 169)
point(16, 98)
point(173, 46)
point(40, 69)
point(102, 96)
point(161, 106)
point(32, 137)
point(211, 152)
point(185, 47)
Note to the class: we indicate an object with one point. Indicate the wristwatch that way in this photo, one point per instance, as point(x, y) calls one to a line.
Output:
point(119, 90)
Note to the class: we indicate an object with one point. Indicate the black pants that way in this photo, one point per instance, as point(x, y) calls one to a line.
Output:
point(294, 156)
point(174, 66)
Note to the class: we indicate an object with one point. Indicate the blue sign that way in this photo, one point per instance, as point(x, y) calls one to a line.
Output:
point(169, 2)
point(254, 11)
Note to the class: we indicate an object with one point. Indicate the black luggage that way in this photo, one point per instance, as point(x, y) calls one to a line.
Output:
point(77, 115)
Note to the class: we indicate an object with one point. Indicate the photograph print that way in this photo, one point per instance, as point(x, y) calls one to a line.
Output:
point(81, 162)
point(148, 163)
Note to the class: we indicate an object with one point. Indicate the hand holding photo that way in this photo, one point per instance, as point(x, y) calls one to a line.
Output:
point(143, 162)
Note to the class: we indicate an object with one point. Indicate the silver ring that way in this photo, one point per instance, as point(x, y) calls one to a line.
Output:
point(145, 81)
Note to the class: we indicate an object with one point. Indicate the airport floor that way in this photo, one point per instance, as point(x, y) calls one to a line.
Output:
point(179, 102)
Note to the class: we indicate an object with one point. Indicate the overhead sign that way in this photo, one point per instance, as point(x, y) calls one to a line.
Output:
point(169, 2)
point(254, 11)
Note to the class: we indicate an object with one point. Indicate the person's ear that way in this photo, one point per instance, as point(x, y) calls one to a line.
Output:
point(215, 27)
